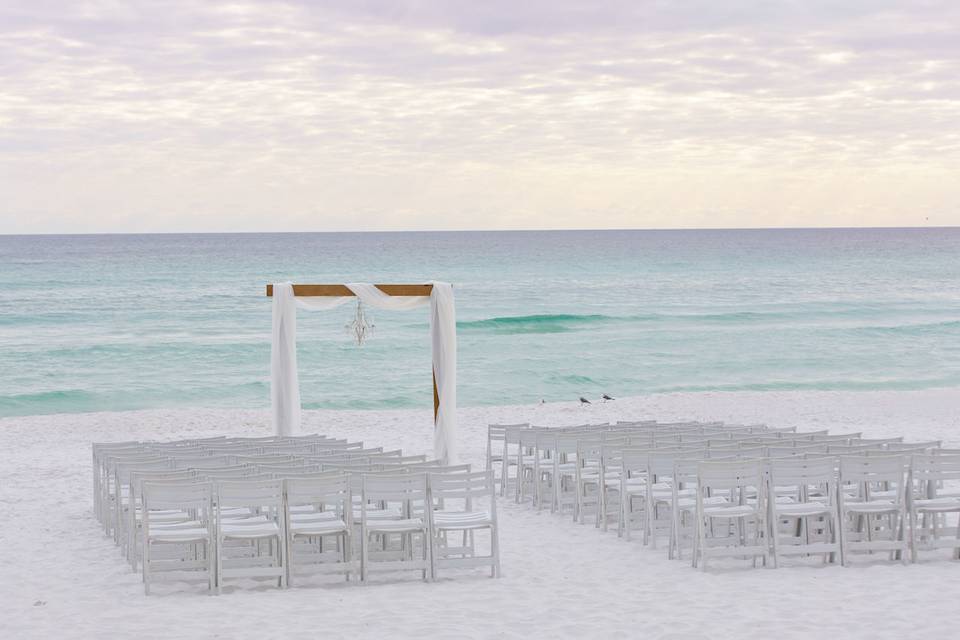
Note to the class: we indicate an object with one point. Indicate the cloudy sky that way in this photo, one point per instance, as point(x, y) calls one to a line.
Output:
point(198, 115)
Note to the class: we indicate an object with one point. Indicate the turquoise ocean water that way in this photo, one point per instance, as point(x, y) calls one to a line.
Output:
point(105, 322)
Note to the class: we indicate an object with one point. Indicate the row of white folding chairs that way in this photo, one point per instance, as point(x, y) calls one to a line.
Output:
point(506, 444)
point(553, 456)
point(581, 450)
point(571, 448)
point(107, 456)
point(579, 483)
point(898, 504)
point(625, 469)
point(802, 505)
point(273, 527)
point(102, 453)
point(582, 476)
point(129, 475)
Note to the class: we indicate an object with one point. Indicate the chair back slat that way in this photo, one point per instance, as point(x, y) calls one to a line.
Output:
point(185, 495)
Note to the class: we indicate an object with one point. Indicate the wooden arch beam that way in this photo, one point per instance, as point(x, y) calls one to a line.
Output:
point(342, 291)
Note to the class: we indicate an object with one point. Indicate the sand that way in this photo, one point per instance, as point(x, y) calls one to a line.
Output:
point(61, 578)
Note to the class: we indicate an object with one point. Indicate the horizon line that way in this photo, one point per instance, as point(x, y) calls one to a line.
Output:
point(569, 230)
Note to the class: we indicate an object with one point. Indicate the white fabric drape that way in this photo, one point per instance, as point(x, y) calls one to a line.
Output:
point(443, 332)
point(285, 381)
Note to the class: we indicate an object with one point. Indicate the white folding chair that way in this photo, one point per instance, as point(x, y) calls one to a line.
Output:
point(662, 492)
point(804, 518)
point(935, 495)
point(319, 508)
point(469, 505)
point(101, 475)
point(588, 476)
point(252, 545)
point(124, 495)
point(683, 502)
point(544, 452)
point(611, 451)
point(497, 450)
point(874, 517)
point(112, 498)
point(407, 492)
point(192, 542)
point(737, 527)
point(512, 453)
point(563, 474)
point(133, 522)
point(633, 488)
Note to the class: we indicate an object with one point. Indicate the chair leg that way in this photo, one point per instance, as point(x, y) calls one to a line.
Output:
point(518, 477)
point(701, 547)
point(495, 549)
point(434, 556)
point(218, 579)
point(503, 477)
point(775, 542)
point(674, 551)
point(427, 541)
point(146, 567)
point(623, 527)
point(956, 552)
point(282, 562)
point(211, 566)
point(842, 531)
point(902, 534)
point(913, 535)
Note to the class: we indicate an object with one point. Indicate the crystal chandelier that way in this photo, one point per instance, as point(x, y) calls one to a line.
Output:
point(361, 327)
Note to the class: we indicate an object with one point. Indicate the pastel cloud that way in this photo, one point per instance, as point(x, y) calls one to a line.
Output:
point(162, 116)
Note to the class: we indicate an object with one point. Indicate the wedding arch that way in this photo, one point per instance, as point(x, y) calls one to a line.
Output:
point(284, 379)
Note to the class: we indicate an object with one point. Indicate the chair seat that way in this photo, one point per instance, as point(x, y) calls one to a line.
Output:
point(318, 528)
point(313, 516)
point(799, 509)
point(169, 515)
point(302, 508)
point(943, 503)
point(667, 494)
point(736, 511)
point(786, 489)
point(874, 506)
point(390, 513)
point(193, 534)
point(396, 526)
point(594, 472)
point(175, 524)
point(461, 519)
point(636, 489)
point(688, 504)
point(249, 529)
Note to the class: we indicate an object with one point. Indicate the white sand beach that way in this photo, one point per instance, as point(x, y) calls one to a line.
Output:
point(62, 578)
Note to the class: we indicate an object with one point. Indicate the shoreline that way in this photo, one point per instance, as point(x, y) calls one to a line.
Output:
point(935, 412)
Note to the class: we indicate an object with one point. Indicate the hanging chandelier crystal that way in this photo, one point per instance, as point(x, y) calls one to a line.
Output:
point(361, 327)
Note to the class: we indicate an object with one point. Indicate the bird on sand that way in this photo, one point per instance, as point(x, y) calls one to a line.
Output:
point(584, 401)
point(606, 397)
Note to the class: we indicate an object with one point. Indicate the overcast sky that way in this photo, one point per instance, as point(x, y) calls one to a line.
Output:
point(243, 116)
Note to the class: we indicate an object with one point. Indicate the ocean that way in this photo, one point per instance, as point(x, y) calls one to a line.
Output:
point(115, 322)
